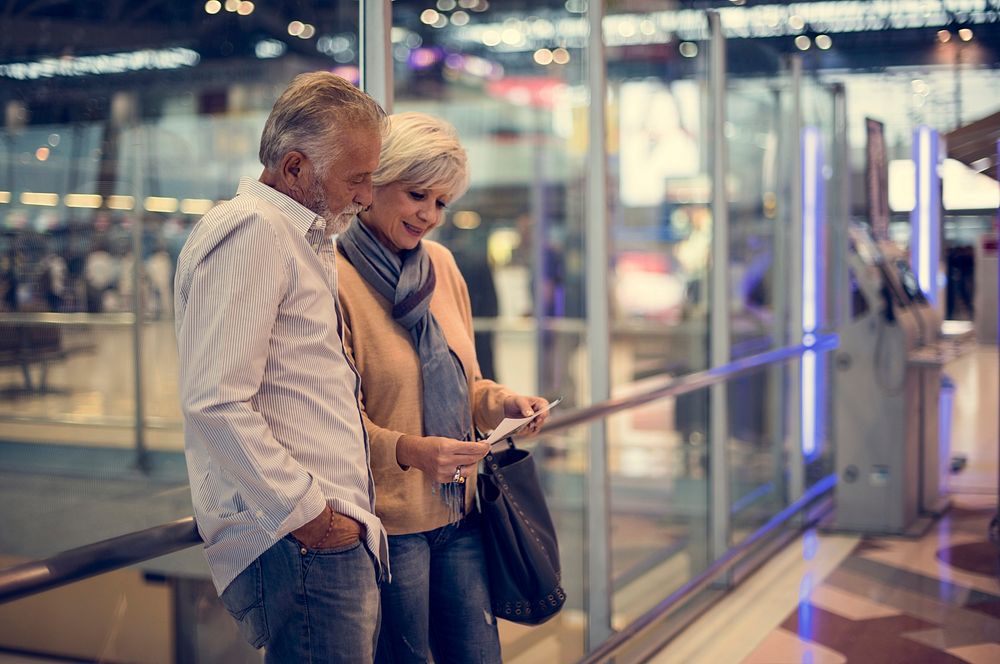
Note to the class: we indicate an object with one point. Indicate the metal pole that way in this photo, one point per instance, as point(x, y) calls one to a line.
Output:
point(598, 553)
point(141, 453)
point(777, 386)
point(840, 212)
point(719, 342)
point(543, 306)
point(796, 469)
point(376, 53)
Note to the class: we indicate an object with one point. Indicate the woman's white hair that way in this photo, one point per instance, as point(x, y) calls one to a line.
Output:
point(311, 116)
point(423, 152)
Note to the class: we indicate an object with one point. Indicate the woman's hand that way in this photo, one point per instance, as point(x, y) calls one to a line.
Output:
point(443, 459)
point(519, 406)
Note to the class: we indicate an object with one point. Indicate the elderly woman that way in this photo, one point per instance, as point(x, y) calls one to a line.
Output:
point(408, 324)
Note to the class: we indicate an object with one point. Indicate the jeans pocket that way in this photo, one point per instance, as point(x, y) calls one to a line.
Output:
point(244, 599)
point(338, 549)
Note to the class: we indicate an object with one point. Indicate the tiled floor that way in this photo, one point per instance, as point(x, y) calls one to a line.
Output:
point(835, 598)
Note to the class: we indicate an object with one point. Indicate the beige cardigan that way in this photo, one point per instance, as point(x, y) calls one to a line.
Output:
point(391, 386)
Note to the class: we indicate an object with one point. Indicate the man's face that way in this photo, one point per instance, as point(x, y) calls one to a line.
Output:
point(346, 188)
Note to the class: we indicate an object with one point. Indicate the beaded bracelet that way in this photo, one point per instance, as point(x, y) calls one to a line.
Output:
point(329, 529)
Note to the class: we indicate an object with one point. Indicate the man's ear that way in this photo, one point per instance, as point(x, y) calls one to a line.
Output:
point(294, 167)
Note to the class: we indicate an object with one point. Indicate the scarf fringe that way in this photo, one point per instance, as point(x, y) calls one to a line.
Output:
point(453, 496)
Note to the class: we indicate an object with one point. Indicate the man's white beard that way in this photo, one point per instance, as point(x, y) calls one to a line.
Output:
point(340, 222)
point(337, 222)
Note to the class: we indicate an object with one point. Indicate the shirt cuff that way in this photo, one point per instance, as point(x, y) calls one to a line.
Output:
point(311, 506)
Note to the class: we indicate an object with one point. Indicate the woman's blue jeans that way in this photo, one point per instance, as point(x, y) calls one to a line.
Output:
point(439, 600)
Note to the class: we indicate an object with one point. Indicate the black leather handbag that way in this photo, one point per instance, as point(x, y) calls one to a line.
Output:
point(522, 554)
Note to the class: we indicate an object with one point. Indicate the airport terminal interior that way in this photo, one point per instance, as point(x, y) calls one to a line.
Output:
point(751, 244)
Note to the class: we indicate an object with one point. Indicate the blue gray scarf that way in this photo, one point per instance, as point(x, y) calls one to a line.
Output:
point(407, 281)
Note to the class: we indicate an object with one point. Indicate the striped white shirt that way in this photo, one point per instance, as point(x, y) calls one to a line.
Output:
point(272, 426)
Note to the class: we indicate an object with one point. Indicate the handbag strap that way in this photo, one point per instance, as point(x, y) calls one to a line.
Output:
point(494, 467)
point(501, 484)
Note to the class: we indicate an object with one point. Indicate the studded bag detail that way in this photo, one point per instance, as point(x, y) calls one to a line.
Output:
point(522, 554)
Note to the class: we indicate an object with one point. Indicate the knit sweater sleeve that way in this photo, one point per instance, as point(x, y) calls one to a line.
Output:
point(383, 441)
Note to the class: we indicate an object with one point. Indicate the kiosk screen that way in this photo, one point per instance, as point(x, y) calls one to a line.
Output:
point(909, 281)
point(899, 297)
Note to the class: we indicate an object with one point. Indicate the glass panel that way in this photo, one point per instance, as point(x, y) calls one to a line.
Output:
point(122, 123)
point(756, 449)
point(115, 154)
point(659, 501)
point(60, 255)
point(513, 83)
point(757, 192)
point(660, 215)
point(515, 89)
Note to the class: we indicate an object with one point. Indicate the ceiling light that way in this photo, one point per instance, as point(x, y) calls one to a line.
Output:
point(92, 201)
point(161, 204)
point(543, 56)
point(121, 202)
point(39, 198)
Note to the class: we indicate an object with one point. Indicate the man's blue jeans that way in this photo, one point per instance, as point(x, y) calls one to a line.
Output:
point(321, 606)
point(439, 600)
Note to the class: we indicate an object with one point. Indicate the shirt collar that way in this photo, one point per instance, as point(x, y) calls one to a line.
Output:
point(302, 218)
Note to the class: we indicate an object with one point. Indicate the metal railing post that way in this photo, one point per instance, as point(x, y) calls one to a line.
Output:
point(719, 341)
point(598, 553)
point(141, 452)
point(376, 51)
point(796, 468)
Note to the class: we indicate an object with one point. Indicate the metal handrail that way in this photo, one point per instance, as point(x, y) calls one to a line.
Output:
point(729, 560)
point(688, 383)
point(60, 318)
point(97, 558)
point(107, 555)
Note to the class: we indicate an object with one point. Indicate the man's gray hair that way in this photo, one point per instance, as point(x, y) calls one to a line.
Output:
point(311, 115)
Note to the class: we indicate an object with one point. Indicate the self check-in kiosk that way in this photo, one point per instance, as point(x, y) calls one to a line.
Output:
point(888, 461)
point(927, 360)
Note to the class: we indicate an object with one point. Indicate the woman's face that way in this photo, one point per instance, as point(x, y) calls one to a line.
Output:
point(400, 215)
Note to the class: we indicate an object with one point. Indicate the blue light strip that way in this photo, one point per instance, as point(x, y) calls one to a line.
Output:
point(813, 264)
point(925, 220)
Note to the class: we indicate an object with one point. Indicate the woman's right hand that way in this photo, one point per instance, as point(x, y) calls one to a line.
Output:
point(440, 457)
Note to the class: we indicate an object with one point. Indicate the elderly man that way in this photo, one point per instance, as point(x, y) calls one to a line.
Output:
point(276, 448)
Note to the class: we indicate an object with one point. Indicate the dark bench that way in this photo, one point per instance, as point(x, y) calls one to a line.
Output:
point(29, 345)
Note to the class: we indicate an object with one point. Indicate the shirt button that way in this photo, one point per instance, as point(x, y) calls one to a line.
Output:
point(260, 514)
